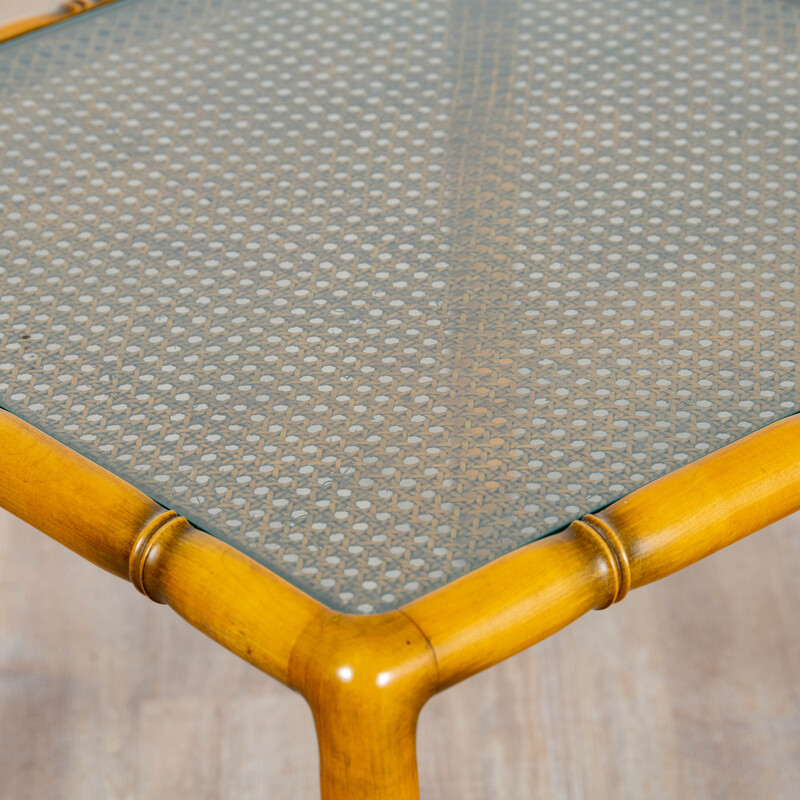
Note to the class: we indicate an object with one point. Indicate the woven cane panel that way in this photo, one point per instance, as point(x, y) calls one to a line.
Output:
point(379, 291)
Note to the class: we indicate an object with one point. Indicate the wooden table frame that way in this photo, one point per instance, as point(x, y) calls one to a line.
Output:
point(366, 677)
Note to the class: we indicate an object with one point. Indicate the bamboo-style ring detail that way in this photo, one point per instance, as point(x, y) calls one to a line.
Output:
point(147, 538)
point(614, 543)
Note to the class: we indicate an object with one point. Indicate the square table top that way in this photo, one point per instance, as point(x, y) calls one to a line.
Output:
point(377, 292)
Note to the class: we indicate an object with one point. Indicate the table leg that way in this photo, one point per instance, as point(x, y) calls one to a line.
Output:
point(366, 683)
point(367, 750)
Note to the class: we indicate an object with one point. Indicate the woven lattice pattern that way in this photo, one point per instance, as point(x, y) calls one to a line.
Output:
point(379, 291)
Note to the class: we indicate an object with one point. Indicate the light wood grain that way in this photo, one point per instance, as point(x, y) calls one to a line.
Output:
point(688, 689)
point(366, 726)
point(239, 603)
point(366, 680)
point(516, 601)
point(21, 17)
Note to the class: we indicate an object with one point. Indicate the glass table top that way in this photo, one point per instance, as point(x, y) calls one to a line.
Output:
point(377, 292)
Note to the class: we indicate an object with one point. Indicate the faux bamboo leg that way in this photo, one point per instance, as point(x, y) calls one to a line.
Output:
point(367, 748)
point(366, 689)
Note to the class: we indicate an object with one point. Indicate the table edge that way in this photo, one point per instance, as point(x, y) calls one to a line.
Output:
point(440, 638)
point(70, 8)
point(467, 625)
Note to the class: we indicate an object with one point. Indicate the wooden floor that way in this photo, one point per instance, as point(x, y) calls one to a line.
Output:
point(688, 689)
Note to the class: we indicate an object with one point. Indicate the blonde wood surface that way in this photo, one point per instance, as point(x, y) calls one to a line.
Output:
point(229, 597)
point(366, 680)
point(241, 604)
point(513, 603)
point(84, 507)
point(705, 506)
point(453, 633)
point(520, 599)
point(688, 690)
point(20, 17)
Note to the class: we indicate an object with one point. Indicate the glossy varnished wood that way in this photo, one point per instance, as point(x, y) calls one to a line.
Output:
point(227, 595)
point(30, 23)
point(366, 680)
point(672, 522)
point(707, 505)
point(513, 603)
point(367, 677)
point(687, 691)
point(69, 498)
